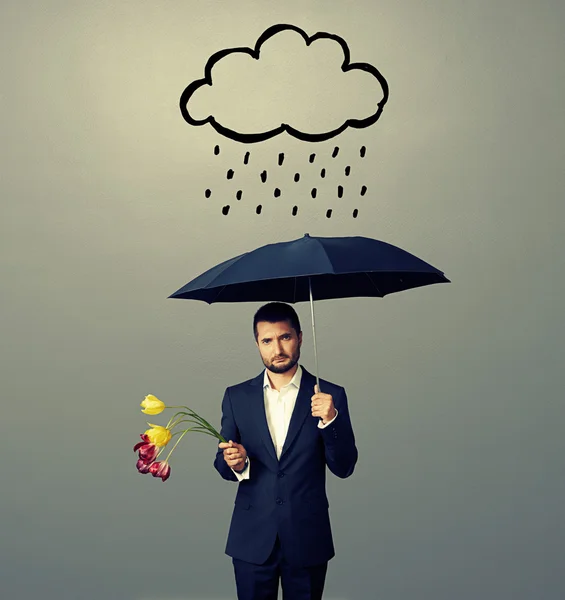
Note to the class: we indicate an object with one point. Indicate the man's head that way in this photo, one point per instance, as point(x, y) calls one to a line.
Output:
point(278, 335)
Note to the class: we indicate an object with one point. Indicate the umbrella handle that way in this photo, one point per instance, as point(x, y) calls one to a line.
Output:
point(314, 332)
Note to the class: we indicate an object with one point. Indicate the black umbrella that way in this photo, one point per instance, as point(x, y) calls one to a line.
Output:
point(314, 268)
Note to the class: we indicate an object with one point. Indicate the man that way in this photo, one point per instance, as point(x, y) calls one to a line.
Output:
point(282, 433)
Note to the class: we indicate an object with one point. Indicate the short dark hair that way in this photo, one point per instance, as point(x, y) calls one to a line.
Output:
point(275, 312)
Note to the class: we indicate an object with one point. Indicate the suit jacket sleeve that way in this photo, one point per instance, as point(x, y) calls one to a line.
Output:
point(339, 440)
point(321, 426)
point(229, 432)
point(245, 474)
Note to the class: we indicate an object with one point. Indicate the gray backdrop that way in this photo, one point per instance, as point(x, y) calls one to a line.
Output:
point(454, 390)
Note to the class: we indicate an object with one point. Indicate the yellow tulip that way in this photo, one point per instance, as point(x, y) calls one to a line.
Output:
point(152, 405)
point(158, 435)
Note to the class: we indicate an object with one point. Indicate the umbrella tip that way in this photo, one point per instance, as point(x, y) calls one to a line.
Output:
point(306, 235)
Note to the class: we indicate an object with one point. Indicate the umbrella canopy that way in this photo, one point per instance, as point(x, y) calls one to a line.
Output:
point(337, 267)
point(312, 268)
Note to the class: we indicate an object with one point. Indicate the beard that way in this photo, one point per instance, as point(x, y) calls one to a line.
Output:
point(285, 365)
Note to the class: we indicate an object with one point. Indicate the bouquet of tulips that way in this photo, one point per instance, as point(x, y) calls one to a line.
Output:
point(155, 440)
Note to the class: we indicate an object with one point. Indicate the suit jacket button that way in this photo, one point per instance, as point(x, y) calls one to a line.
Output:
point(279, 501)
point(280, 474)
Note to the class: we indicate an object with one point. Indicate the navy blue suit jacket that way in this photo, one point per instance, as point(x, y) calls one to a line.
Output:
point(287, 497)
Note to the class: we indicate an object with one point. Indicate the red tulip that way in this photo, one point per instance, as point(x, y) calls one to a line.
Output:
point(161, 469)
point(145, 439)
point(146, 450)
point(142, 467)
point(148, 453)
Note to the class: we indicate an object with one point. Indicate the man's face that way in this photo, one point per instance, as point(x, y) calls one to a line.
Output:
point(275, 341)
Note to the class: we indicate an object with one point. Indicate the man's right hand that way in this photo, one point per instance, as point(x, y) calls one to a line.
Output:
point(234, 455)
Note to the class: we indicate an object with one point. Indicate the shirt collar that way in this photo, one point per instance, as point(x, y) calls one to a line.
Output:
point(294, 381)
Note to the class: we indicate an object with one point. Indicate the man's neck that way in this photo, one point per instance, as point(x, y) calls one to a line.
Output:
point(278, 380)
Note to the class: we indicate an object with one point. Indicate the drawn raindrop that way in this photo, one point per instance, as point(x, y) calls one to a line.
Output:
point(238, 195)
point(208, 193)
point(363, 190)
point(281, 159)
point(297, 177)
point(355, 213)
point(230, 174)
point(216, 150)
point(347, 171)
point(226, 209)
point(339, 191)
point(313, 192)
point(335, 152)
point(264, 176)
point(329, 213)
point(277, 192)
point(312, 157)
point(323, 173)
point(362, 151)
point(246, 158)
point(294, 210)
point(258, 209)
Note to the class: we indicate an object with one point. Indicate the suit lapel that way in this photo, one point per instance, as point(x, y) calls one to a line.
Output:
point(301, 410)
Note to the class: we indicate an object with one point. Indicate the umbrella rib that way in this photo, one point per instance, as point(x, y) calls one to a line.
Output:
point(371, 280)
point(217, 295)
point(327, 257)
point(231, 262)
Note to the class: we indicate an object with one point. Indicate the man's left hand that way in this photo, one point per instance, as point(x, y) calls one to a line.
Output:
point(322, 405)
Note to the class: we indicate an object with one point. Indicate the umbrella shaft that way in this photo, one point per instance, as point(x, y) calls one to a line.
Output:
point(314, 333)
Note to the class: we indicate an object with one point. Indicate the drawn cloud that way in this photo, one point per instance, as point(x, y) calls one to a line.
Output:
point(289, 82)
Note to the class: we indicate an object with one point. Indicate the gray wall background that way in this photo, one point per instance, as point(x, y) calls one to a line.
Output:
point(455, 390)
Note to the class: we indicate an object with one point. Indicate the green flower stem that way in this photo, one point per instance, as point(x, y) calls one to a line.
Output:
point(201, 420)
point(175, 413)
point(181, 412)
point(177, 442)
point(204, 426)
point(192, 429)
point(195, 415)
point(182, 435)
point(174, 417)
point(181, 420)
point(211, 431)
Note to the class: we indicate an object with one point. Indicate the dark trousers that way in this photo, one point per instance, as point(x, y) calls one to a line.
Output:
point(261, 582)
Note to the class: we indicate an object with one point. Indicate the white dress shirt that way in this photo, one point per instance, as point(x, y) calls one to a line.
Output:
point(278, 409)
